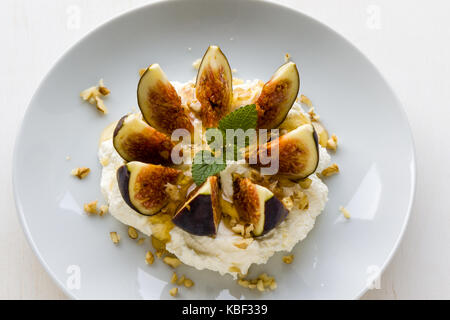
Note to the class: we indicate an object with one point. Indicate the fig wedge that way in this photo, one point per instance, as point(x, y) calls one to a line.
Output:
point(135, 140)
point(142, 186)
point(201, 213)
point(277, 96)
point(213, 87)
point(257, 205)
point(298, 153)
point(160, 104)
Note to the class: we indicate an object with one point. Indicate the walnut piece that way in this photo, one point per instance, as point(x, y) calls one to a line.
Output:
point(287, 57)
point(103, 210)
point(188, 283)
point(94, 95)
point(288, 259)
point(91, 207)
point(333, 169)
point(313, 115)
point(345, 212)
point(80, 173)
point(304, 99)
point(114, 237)
point(243, 243)
point(332, 143)
point(261, 283)
point(171, 261)
point(174, 278)
point(173, 292)
point(132, 233)
point(149, 258)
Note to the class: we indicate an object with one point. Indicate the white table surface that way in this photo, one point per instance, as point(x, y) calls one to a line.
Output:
point(409, 41)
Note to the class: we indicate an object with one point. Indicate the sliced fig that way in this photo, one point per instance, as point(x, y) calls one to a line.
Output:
point(201, 213)
point(298, 153)
point(277, 96)
point(143, 186)
point(257, 205)
point(213, 88)
point(160, 104)
point(135, 140)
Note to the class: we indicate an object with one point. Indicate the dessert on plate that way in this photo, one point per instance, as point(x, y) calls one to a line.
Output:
point(231, 210)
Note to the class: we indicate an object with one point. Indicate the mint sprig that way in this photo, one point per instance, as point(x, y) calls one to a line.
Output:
point(243, 118)
point(205, 163)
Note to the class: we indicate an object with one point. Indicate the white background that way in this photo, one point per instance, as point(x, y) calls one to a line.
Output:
point(409, 41)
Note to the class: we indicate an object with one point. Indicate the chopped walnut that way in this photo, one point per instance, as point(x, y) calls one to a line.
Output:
point(305, 183)
point(173, 292)
point(103, 210)
point(80, 173)
point(248, 230)
point(132, 233)
point(313, 116)
point(287, 57)
point(196, 64)
point(345, 212)
point(100, 105)
point(244, 243)
point(173, 262)
point(114, 237)
point(173, 192)
point(149, 258)
point(188, 283)
point(333, 169)
point(261, 283)
point(174, 278)
point(304, 99)
point(287, 202)
point(288, 259)
point(91, 207)
point(180, 281)
point(238, 228)
point(93, 96)
point(332, 143)
point(234, 269)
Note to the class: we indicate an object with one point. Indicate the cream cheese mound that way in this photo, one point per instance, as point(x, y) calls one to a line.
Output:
point(219, 253)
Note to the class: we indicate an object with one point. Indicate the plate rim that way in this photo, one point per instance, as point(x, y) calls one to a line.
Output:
point(115, 17)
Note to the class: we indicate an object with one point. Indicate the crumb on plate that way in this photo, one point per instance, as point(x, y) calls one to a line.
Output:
point(80, 173)
point(114, 237)
point(345, 212)
point(331, 170)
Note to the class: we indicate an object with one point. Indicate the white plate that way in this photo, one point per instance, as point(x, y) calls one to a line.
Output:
point(375, 153)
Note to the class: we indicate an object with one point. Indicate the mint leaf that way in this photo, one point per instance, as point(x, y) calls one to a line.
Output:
point(243, 118)
point(205, 164)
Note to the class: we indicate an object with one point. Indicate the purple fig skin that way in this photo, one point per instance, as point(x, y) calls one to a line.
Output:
point(123, 179)
point(199, 220)
point(119, 126)
point(274, 213)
